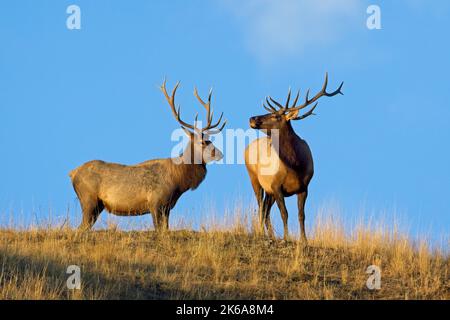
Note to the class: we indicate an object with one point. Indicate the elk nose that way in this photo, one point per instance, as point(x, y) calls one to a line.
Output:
point(254, 123)
point(218, 155)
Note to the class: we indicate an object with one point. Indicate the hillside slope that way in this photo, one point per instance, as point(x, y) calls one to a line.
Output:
point(215, 265)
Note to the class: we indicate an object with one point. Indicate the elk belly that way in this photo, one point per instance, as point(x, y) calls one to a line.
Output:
point(125, 202)
point(291, 185)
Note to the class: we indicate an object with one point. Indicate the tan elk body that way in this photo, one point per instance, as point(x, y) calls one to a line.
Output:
point(153, 186)
point(281, 164)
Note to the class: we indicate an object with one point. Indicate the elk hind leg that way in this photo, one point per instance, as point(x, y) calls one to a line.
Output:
point(92, 207)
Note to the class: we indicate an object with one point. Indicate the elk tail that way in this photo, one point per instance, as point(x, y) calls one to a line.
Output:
point(73, 173)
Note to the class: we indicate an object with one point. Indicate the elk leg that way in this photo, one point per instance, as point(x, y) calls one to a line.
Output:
point(284, 213)
point(259, 193)
point(261, 211)
point(155, 220)
point(301, 214)
point(268, 203)
point(91, 210)
point(158, 216)
point(162, 217)
point(165, 219)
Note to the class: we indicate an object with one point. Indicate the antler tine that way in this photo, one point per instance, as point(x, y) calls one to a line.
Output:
point(307, 97)
point(196, 121)
point(216, 124)
point(338, 91)
point(296, 98)
point(288, 99)
point(324, 89)
point(216, 130)
point(210, 110)
point(171, 101)
point(325, 84)
point(210, 114)
point(184, 124)
point(270, 105)
point(286, 107)
point(222, 126)
point(309, 113)
point(207, 105)
point(268, 109)
point(277, 103)
point(198, 97)
point(210, 95)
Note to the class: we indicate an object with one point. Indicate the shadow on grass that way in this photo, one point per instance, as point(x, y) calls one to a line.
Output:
point(27, 277)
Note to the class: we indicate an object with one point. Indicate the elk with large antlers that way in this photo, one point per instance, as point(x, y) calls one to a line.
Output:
point(153, 186)
point(281, 164)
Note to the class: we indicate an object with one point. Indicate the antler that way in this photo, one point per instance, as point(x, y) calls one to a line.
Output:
point(281, 108)
point(294, 107)
point(171, 100)
point(210, 128)
point(319, 95)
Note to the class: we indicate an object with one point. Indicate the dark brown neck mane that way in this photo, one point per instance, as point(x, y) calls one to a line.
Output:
point(191, 174)
point(288, 142)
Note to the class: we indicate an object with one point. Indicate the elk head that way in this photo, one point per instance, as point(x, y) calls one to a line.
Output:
point(279, 115)
point(200, 148)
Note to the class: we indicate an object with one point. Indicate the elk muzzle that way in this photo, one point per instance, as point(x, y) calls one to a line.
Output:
point(255, 122)
point(217, 154)
point(211, 153)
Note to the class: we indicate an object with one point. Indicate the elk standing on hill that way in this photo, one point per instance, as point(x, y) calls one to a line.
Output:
point(288, 157)
point(153, 186)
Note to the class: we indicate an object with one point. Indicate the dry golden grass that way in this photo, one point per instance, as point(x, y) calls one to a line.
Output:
point(219, 263)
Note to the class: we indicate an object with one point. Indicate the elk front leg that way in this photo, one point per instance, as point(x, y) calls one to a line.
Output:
point(279, 198)
point(155, 220)
point(162, 218)
point(165, 219)
point(301, 214)
point(259, 194)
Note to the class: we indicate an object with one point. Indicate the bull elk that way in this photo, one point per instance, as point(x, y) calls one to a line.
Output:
point(153, 186)
point(288, 155)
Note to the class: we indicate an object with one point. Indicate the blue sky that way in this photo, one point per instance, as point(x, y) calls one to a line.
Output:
point(69, 96)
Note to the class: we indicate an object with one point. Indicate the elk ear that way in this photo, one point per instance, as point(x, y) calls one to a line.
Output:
point(292, 115)
point(190, 134)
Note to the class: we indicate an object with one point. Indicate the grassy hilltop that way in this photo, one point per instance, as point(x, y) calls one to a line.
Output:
point(231, 263)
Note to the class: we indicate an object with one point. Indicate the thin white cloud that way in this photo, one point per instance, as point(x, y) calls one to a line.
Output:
point(276, 29)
